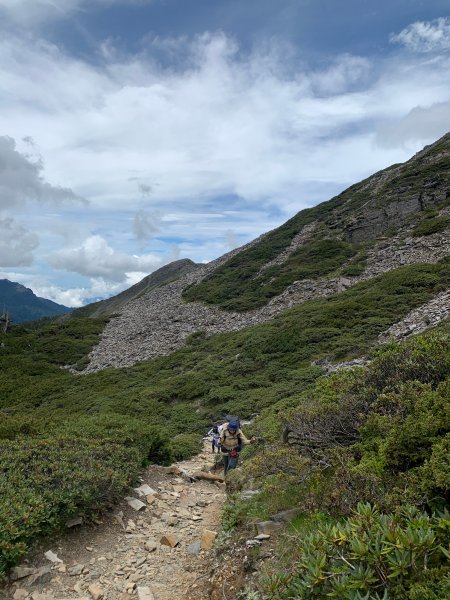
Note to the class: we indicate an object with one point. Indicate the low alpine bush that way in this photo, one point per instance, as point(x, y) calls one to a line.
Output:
point(368, 556)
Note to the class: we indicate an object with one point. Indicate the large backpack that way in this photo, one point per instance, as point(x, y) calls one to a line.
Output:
point(234, 421)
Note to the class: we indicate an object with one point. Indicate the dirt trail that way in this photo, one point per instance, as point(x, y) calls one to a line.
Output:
point(122, 557)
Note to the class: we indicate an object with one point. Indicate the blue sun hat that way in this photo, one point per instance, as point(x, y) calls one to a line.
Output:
point(233, 425)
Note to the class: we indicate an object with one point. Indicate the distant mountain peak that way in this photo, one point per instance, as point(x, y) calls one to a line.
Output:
point(23, 305)
point(161, 276)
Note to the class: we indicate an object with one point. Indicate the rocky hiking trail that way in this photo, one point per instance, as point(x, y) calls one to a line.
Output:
point(154, 545)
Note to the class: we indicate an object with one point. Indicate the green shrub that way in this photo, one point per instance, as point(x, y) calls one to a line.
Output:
point(151, 441)
point(46, 482)
point(249, 290)
point(367, 556)
point(234, 512)
point(356, 266)
point(381, 432)
point(17, 425)
point(430, 226)
point(185, 445)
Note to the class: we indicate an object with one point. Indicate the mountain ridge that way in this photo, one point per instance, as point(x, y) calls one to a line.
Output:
point(23, 305)
point(161, 276)
point(161, 320)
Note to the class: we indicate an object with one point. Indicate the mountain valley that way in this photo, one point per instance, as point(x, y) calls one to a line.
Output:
point(330, 334)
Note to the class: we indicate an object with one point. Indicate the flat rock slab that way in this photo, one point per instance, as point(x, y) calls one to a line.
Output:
point(21, 572)
point(286, 515)
point(135, 503)
point(145, 593)
point(194, 548)
point(145, 490)
point(42, 575)
point(208, 538)
point(268, 527)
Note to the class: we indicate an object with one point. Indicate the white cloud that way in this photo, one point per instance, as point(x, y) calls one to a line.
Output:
point(341, 75)
point(168, 150)
point(146, 225)
point(225, 123)
point(77, 296)
point(16, 244)
point(425, 36)
point(95, 258)
point(21, 179)
point(420, 123)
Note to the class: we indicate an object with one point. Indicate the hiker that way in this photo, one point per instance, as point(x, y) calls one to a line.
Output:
point(230, 442)
point(215, 433)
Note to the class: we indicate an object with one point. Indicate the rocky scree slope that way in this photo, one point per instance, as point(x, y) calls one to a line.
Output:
point(389, 211)
point(162, 276)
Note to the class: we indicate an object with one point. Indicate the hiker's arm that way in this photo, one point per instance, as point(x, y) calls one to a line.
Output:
point(244, 440)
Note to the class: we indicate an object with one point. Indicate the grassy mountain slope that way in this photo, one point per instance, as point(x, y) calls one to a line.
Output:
point(400, 196)
point(22, 305)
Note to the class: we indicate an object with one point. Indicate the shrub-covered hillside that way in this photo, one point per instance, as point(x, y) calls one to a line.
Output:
point(369, 478)
point(407, 196)
point(126, 418)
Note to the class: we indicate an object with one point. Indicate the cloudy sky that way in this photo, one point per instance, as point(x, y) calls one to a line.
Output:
point(136, 132)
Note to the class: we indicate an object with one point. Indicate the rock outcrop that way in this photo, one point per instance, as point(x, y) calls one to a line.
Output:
point(160, 321)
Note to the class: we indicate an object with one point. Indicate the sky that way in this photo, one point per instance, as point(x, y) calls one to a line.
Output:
point(138, 132)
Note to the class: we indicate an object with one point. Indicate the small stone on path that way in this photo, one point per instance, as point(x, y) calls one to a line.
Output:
point(150, 546)
point(168, 540)
point(95, 591)
point(135, 503)
point(76, 569)
point(51, 556)
point(208, 538)
point(145, 593)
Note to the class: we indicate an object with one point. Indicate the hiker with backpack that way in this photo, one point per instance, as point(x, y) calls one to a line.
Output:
point(215, 433)
point(231, 441)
